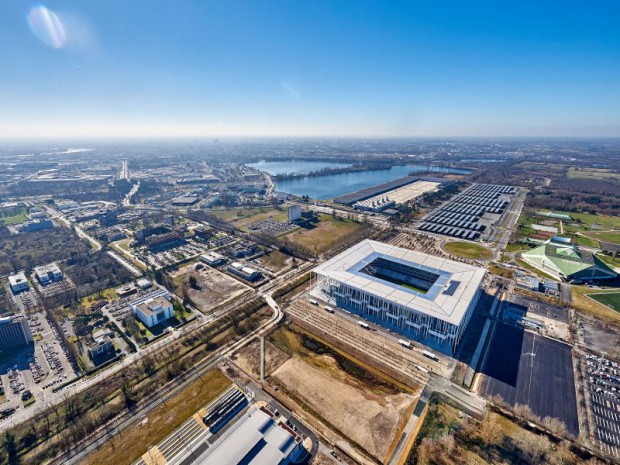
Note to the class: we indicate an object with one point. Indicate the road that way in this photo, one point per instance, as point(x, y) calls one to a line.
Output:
point(54, 398)
point(130, 194)
point(172, 389)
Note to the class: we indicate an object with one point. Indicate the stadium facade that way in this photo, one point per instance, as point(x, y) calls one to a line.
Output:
point(425, 297)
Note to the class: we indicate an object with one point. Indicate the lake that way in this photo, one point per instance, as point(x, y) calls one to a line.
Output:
point(335, 185)
point(294, 166)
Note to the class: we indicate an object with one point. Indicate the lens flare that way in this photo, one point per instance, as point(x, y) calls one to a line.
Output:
point(47, 26)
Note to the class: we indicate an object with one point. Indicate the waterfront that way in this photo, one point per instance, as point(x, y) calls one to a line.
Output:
point(275, 168)
point(335, 185)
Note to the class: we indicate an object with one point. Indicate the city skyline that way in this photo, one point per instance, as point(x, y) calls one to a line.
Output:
point(309, 69)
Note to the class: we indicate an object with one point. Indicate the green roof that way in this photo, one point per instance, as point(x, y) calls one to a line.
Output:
point(568, 261)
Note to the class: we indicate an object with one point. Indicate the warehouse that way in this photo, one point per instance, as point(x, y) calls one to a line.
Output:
point(425, 297)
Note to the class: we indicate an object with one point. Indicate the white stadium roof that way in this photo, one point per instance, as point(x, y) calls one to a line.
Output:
point(447, 299)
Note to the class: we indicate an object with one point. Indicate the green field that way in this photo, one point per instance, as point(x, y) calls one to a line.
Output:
point(607, 236)
point(325, 234)
point(468, 250)
point(235, 214)
point(9, 220)
point(609, 299)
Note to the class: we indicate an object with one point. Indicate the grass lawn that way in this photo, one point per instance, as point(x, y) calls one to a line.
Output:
point(29, 402)
point(235, 214)
point(607, 236)
point(9, 220)
point(468, 250)
point(106, 294)
point(325, 234)
point(582, 301)
point(137, 439)
point(609, 299)
point(275, 259)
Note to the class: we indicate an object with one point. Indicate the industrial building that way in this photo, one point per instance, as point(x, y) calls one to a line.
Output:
point(294, 212)
point(245, 272)
point(424, 297)
point(257, 438)
point(566, 262)
point(14, 333)
point(153, 311)
point(18, 282)
point(48, 273)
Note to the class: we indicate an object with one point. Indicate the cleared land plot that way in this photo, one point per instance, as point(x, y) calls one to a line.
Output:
point(274, 260)
point(248, 359)
point(528, 369)
point(160, 422)
point(609, 299)
point(325, 234)
point(592, 173)
point(362, 406)
point(468, 250)
point(212, 287)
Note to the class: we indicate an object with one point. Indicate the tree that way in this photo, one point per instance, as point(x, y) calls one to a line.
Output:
point(11, 447)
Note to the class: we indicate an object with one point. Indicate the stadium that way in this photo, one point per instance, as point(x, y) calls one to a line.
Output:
point(427, 298)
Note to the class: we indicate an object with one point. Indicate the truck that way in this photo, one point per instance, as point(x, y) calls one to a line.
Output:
point(430, 355)
point(404, 343)
point(363, 325)
point(421, 368)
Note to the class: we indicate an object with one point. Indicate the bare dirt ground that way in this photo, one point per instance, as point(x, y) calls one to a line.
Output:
point(368, 416)
point(598, 335)
point(213, 287)
point(249, 357)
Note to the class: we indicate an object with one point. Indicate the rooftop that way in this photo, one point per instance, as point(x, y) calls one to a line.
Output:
point(429, 284)
point(256, 439)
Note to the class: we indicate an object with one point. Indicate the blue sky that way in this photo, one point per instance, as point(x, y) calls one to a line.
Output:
point(310, 67)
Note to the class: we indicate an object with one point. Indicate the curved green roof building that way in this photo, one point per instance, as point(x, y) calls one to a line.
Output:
point(567, 263)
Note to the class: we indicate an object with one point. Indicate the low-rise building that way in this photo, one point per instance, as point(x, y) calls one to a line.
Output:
point(244, 272)
point(143, 283)
point(566, 262)
point(213, 259)
point(48, 273)
point(154, 311)
point(35, 225)
point(101, 346)
point(18, 282)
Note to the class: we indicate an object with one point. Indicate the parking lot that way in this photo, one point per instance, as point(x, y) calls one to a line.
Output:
point(470, 214)
point(38, 368)
point(525, 368)
point(603, 384)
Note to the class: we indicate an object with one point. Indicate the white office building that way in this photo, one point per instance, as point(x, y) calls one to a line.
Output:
point(153, 311)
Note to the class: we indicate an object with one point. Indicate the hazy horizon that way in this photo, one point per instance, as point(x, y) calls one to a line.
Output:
point(297, 69)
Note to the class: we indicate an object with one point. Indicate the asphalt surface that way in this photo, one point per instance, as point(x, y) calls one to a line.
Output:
point(526, 368)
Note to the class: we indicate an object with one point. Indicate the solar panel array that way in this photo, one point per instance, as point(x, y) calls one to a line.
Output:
point(460, 218)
